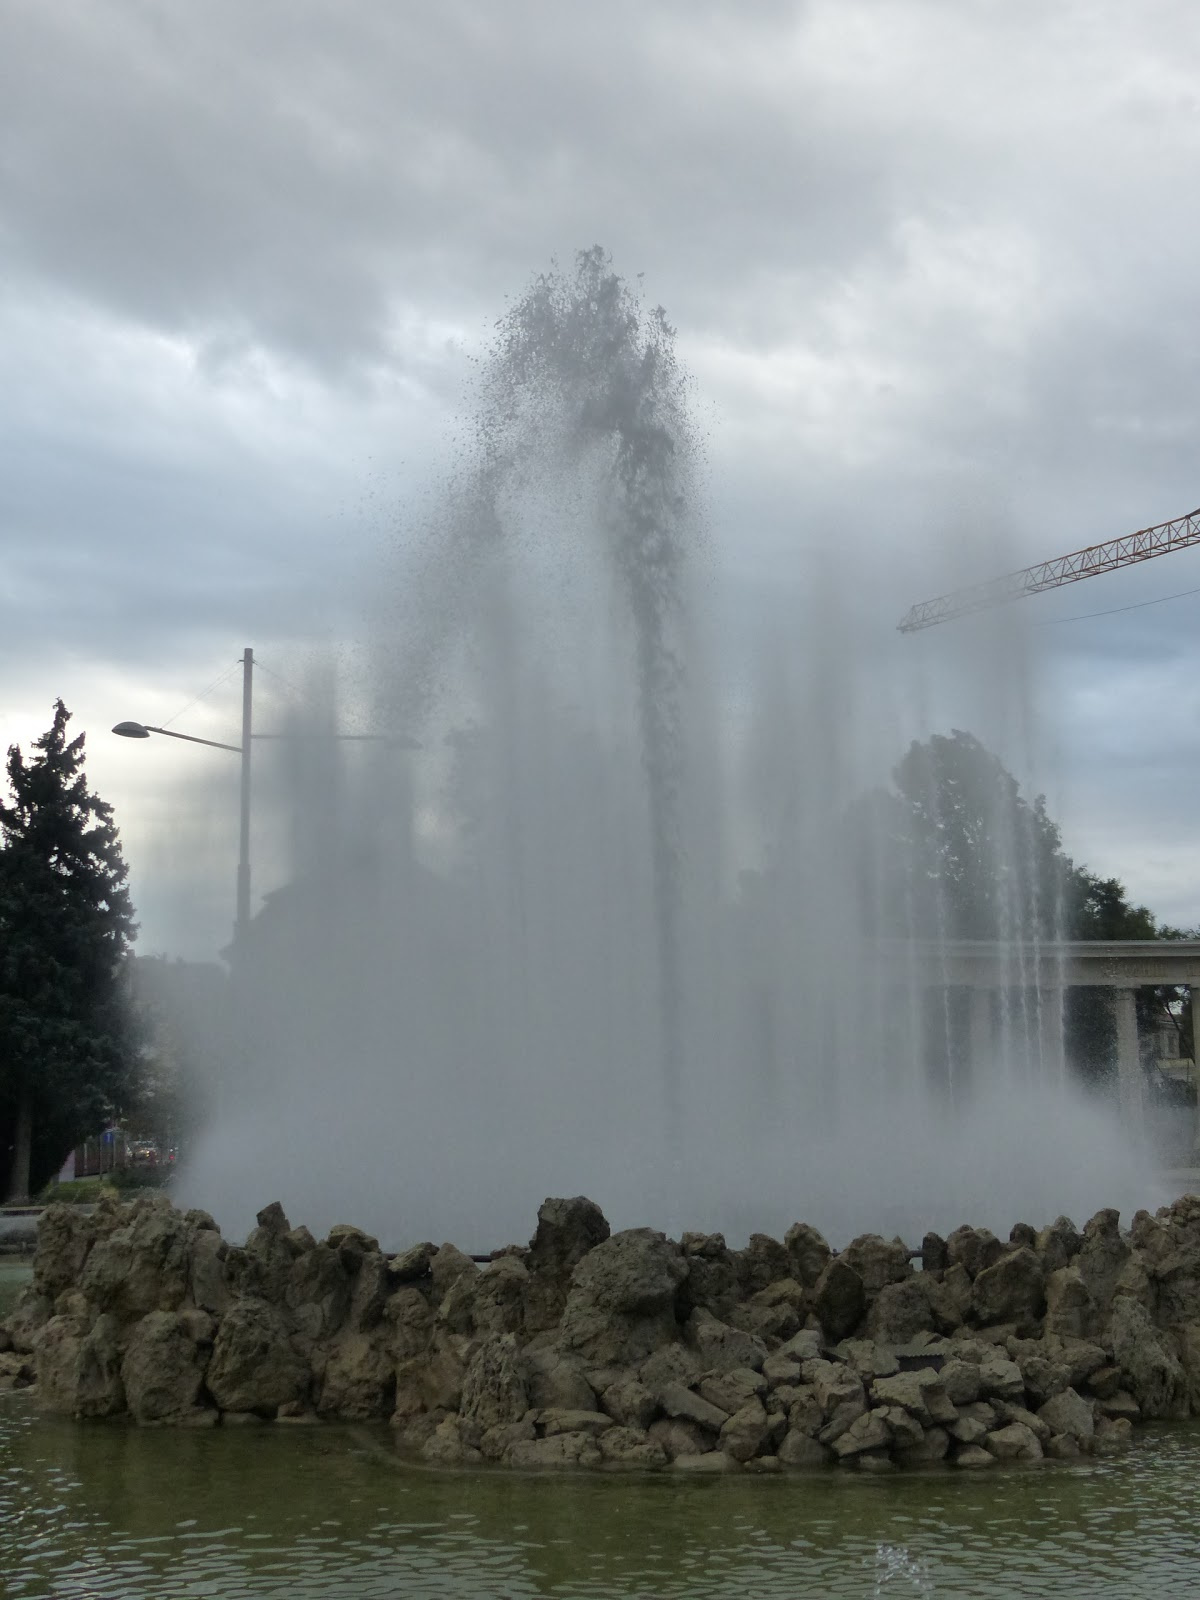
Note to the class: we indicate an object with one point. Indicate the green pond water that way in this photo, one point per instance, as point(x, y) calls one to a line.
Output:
point(104, 1510)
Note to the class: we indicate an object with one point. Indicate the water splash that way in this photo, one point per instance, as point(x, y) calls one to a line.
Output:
point(897, 1572)
point(605, 933)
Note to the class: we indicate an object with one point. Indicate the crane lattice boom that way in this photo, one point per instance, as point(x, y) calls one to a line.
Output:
point(1141, 546)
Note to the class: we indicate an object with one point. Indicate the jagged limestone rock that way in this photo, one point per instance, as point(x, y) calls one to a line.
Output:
point(1014, 1442)
point(973, 1249)
point(164, 1365)
point(1070, 1414)
point(809, 1252)
point(839, 1299)
point(255, 1366)
point(877, 1261)
point(1158, 1381)
point(1012, 1289)
point(567, 1229)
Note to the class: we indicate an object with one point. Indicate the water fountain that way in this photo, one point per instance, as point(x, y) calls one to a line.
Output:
point(609, 937)
point(604, 937)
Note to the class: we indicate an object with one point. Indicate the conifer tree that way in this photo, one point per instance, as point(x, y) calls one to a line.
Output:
point(66, 925)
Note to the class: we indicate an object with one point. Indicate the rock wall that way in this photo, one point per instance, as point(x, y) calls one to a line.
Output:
point(591, 1349)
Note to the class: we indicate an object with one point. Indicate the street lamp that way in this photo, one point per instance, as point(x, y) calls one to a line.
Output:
point(143, 730)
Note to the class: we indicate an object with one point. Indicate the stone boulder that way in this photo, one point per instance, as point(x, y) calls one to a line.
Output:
point(1012, 1289)
point(1167, 1249)
point(495, 1390)
point(868, 1431)
point(164, 1364)
point(763, 1262)
point(358, 1379)
point(745, 1433)
point(922, 1393)
point(839, 1299)
point(431, 1381)
point(560, 1451)
point(1187, 1346)
point(730, 1391)
point(409, 1316)
point(446, 1446)
point(254, 1365)
point(712, 1280)
point(1013, 1442)
point(1102, 1257)
point(721, 1348)
point(25, 1322)
point(412, 1265)
point(141, 1262)
point(207, 1283)
point(64, 1238)
point(935, 1258)
point(774, 1313)
point(877, 1261)
point(1069, 1414)
point(630, 1403)
point(59, 1347)
point(973, 1249)
point(566, 1231)
point(1157, 1379)
point(501, 1297)
point(1058, 1245)
point(798, 1449)
point(317, 1291)
point(555, 1380)
point(621, 1304)
point(78, 1367)
point(1071, 1311)
point(918, 1304)
point(447, 1266)
point(809, 1252)
point(631, 1447)
point(678, 1437)
point(688, 1406)
point(1000, 1378)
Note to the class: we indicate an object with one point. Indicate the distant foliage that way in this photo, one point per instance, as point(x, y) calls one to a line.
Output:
point(67, 1058)
point(954, 850)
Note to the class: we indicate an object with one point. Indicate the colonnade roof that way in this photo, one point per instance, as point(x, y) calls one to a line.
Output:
point(1046, 964)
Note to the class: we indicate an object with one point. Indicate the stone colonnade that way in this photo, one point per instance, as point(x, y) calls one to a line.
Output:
point(1123, 966)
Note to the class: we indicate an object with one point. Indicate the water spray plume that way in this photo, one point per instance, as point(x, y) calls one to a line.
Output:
point(593, 937)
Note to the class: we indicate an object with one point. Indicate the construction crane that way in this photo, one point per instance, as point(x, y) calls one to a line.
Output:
point(1141, 546)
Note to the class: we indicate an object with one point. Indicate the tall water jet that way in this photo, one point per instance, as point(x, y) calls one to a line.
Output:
point(612, 930)
point(578, 358)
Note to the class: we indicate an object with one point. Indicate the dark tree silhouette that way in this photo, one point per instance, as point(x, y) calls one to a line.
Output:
point(67, 1056)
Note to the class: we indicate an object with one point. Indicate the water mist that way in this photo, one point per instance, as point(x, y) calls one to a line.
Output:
point(604, 933)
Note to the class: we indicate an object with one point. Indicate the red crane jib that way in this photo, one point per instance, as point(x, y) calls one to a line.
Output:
point(1123, 552)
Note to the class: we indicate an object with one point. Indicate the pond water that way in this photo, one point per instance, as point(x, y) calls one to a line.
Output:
point(94, 1511)
point(15, 1273)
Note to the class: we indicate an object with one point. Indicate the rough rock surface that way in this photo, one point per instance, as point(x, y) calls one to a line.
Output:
point(598, 1350)
point(254, 1365)
point(163, 1368)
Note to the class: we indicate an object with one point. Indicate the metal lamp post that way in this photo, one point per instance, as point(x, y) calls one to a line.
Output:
point(143, 730)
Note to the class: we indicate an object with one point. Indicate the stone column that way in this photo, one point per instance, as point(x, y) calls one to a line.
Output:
point(1129, 1065)
point(1195, 1005)
point(982, 1041)
point(1050, 1034)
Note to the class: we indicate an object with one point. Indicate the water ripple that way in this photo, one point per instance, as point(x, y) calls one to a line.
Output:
point(114, 1513)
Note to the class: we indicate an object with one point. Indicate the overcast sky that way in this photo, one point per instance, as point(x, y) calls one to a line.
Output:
point(932, 267)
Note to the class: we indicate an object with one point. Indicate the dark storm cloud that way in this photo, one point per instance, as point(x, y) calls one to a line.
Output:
point(932, 266)
point(291, 172)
